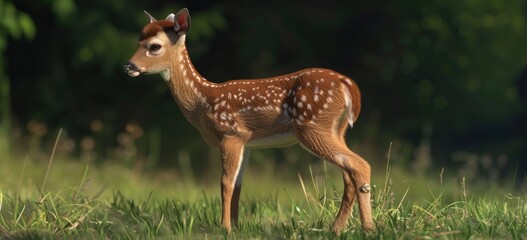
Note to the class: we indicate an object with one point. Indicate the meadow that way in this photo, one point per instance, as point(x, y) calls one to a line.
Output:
point(67, 198)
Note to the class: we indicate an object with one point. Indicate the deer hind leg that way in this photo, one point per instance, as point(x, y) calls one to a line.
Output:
point(356, 173)
point(232, 154)
point(346, 206)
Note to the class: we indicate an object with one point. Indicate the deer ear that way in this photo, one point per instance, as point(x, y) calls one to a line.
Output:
point(182, 21)
point(170, 17)
point(150, 18)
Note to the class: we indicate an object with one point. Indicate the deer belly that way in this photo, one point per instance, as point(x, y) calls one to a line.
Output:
point(277, 140)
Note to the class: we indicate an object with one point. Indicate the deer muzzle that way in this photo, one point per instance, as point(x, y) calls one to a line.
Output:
point(132, 69)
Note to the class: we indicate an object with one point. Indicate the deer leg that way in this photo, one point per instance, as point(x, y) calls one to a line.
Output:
point(359, 171)
point(238, 188)
point(232, 157)
point(346, 206)
point(356, 169)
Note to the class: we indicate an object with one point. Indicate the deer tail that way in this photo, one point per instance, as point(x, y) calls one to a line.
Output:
point(352, 98)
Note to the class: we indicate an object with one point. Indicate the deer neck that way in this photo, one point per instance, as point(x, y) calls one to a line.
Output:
point(188, 87)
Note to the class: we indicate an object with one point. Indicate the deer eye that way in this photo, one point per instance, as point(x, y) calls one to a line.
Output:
point(155, 47)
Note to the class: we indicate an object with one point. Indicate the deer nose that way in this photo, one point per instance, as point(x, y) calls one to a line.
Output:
point(132, 69)
point(130, 66)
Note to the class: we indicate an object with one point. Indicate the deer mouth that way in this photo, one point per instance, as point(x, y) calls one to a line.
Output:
point(132, 70)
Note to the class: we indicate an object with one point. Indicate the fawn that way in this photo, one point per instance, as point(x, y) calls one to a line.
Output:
point(313, 107)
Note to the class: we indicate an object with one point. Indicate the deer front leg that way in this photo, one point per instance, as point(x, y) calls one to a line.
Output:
point(235, 201)
point(232, 152)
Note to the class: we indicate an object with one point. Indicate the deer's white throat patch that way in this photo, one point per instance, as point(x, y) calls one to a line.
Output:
point(165, 74)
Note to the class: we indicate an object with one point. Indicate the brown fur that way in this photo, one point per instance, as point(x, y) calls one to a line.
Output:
point(306, 106)
point(151, 30)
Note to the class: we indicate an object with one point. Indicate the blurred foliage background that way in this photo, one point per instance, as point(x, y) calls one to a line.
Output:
point(444, 81)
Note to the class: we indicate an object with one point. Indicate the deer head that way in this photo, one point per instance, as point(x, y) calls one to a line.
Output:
point(158, 44)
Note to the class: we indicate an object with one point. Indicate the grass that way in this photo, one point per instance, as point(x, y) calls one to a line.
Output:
point(68, 199)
